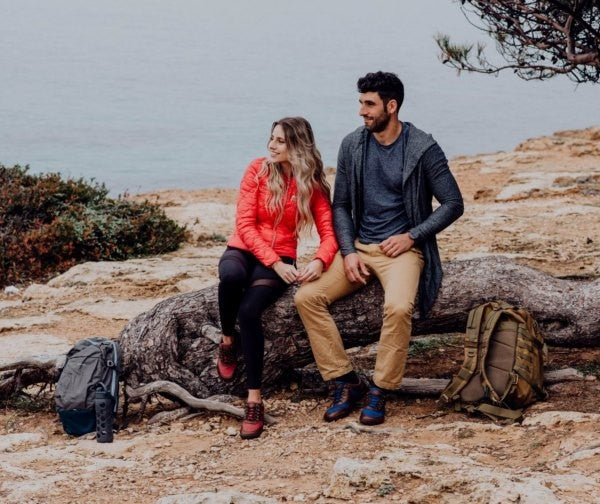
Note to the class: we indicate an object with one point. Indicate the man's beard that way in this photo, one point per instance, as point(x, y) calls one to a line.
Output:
point(380, 123)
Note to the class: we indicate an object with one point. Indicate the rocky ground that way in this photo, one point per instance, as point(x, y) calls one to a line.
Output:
point(539, 204)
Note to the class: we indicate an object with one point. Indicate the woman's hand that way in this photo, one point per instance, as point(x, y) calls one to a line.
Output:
point(311, 271)
point(287, 272)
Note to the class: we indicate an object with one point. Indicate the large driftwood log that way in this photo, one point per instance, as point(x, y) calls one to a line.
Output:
point(177, 339)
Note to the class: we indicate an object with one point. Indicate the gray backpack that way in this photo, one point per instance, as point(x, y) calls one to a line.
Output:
point(92, 368)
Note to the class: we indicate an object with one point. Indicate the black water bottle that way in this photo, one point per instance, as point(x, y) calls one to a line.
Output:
point(104, 416)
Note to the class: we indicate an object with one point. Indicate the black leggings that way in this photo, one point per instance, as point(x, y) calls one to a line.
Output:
point(246, 289)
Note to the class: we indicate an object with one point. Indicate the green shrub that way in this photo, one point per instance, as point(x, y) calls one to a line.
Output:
point(48, 224)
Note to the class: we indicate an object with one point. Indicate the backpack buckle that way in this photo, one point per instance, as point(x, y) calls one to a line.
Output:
point(110, 363)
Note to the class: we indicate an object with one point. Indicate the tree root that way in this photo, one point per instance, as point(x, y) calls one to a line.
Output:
point(165, 417)
point(174, 390)
point(34, 361)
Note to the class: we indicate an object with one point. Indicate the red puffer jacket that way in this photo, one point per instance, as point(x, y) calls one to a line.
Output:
point(256, 229)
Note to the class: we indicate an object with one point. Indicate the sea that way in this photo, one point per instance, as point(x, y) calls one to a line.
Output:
point(153, 94)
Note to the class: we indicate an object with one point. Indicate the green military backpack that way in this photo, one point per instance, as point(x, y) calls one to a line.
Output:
point(503, 369)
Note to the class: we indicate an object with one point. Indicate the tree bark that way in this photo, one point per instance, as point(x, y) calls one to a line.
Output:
point(177, 339)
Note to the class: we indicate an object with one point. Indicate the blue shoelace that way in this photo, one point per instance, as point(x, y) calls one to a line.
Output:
point(337, 393)
point(376, 402)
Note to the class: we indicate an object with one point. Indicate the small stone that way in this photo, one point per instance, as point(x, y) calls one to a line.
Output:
point(231, 431)
point(464, 433)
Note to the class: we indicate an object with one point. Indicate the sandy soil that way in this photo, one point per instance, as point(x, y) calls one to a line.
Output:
point(539, 204)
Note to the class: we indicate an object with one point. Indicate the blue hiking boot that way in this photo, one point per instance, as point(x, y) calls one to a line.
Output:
point(374, 412)
point(345, 397)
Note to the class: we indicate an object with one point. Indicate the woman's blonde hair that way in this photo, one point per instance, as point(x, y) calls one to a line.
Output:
point(307, 169)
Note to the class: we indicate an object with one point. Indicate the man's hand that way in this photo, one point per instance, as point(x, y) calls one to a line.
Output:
point(287, 272)
point(311, 271)
point(355, 269)
point(396, 244)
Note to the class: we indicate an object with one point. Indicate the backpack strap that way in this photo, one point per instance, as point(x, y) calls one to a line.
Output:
point(498, 310)
point(113, 365)
point(469, 365)
point(532, 342)
point(495, 412)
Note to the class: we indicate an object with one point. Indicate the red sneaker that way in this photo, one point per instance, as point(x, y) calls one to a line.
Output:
point(226, 361)
point(253, 423)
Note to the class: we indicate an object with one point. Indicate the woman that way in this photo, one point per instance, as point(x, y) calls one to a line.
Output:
point(279, 197)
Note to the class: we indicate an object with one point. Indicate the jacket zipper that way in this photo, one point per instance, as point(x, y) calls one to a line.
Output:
point(280, 216)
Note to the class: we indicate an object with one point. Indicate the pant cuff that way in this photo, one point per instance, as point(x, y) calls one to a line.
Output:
point(386, 384)
point(332, 375)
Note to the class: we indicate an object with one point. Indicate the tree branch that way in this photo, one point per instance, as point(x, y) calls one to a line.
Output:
point(527, 32)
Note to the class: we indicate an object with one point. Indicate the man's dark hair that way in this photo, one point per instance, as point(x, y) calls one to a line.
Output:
point(387, 84)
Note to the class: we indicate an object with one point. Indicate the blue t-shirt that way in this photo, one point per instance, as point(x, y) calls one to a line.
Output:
point(383, 205)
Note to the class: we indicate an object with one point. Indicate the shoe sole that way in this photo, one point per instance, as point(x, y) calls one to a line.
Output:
point(224, 378)
point(339, 416)
point(334, 419)
point(371, 421)
point(251, 435)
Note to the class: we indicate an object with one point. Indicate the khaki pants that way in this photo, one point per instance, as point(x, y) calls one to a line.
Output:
point(399, 277)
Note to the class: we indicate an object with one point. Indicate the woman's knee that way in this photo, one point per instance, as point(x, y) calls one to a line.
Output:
point(231, 272)
point(249, 315)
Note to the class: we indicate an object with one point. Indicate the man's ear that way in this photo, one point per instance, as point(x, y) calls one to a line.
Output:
point(392, 107)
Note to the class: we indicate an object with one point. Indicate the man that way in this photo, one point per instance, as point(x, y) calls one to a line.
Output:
point(387, 175)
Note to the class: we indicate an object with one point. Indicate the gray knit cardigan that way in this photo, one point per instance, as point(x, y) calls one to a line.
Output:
point(425, 175)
